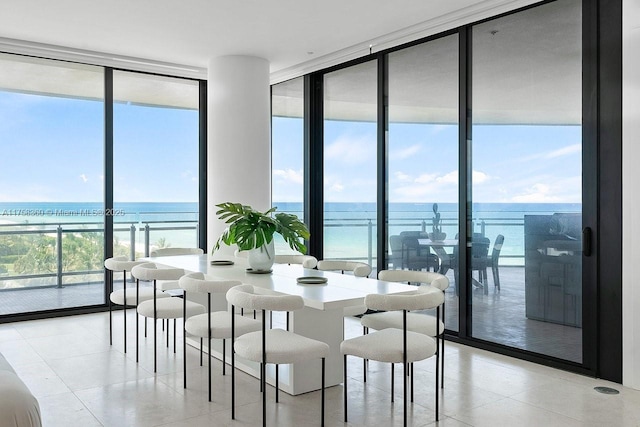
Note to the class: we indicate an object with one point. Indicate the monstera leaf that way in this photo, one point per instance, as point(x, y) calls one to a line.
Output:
point(250, 229)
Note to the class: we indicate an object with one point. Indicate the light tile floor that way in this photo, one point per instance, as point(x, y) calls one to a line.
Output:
point(80, 380)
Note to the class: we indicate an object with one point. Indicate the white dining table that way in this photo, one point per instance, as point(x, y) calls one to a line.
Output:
point(322, 317)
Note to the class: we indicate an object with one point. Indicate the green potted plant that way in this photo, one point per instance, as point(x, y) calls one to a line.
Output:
point(253, 231)
point(437, 234)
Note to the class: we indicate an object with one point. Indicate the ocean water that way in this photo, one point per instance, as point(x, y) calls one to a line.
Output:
point(350, 228)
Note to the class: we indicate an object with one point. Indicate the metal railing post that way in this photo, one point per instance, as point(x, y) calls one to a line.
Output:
point(146, 239)
point(59, 255)
point(483, 225)
point(132, 238)
point(370, 238)
point(424, 225)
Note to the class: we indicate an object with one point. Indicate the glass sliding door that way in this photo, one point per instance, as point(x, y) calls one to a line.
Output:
point(350, 169)
point(51, 185)
point(155, 160)
point(287, 151)
point(422, 161)
point(526, 183)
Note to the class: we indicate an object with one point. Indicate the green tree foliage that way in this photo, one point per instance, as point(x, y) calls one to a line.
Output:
point(40, 256)
point(37, 253)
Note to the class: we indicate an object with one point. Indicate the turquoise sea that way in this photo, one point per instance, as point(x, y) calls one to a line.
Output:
point(350, 228)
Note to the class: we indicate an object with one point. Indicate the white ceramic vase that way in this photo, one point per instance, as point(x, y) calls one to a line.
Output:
point(262, 258)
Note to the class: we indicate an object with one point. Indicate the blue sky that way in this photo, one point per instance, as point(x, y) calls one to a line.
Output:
point(52, 150)
point(511, 164)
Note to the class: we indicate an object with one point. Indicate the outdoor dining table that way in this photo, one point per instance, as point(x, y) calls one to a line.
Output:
point(322, 318)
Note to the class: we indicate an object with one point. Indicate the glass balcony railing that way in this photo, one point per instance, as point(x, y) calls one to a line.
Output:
point(68, 253)
point(47, 254)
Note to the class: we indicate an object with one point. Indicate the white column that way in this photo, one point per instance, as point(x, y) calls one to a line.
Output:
point(239, 137)
point(630, 194)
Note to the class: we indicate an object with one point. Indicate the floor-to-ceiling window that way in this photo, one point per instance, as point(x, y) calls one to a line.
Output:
point(51, 184)
point(350, 156)
point(422, 161)
point(287, 147)
point(155, 162)
point(55, 177)
point(526, 184)
point(487, 138)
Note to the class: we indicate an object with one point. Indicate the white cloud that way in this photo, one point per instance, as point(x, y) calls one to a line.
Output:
point(561, 152)
point(337, 187)
point(449, 178)
point(289, 175)
point(436, 129)
point(427, 187)
point(350, 150)
point(411, 193)
point(480, 177)
point(537, 193)
point(426, 178)
point(405, 153)
point(189, 176)
point(401, 176)
point(565, 151)
point(83, 177)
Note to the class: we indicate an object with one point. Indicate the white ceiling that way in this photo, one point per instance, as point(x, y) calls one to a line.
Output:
point(190, 32)
point(526, 66)
point(527, 69)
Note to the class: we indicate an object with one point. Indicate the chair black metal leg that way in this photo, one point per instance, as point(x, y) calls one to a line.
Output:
point(411, 369)
point(344, 385)
point(167, 331)
point(145, 327)
point(155, 330)
point(437, 392)
point(201, 342)
point(175, 332)
point(392, 381)
point(405, 384)
point(264, 395)
point(322, 397)
point(184, 338)
point(110, 323)
point(277, 379)
point(233, 364)
point(109, 277)
point(442, 347)
point(138, 320)
point(264, 369)
point(224, 356)
point(124, 308)
point(209, 340)
point(365, 331)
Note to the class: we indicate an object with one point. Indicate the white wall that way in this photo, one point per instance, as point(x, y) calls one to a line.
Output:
point(631, 194)
point(239, 137)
